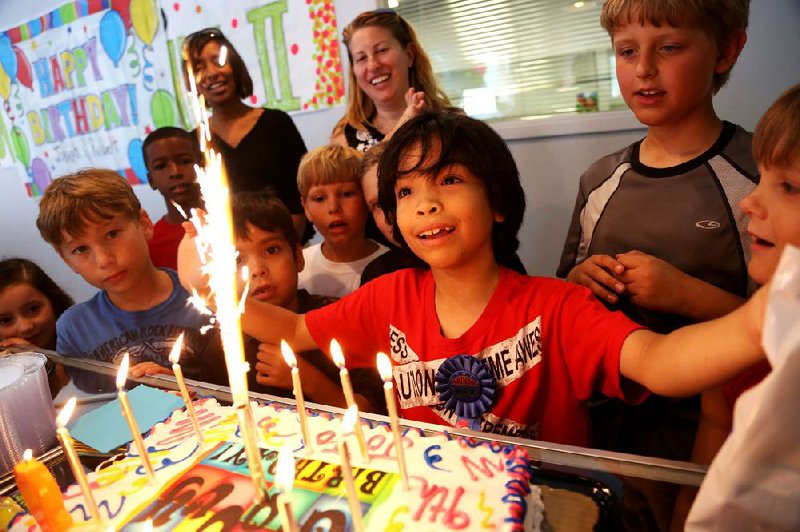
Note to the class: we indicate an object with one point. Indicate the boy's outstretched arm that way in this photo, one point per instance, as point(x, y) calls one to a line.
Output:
point(697, 357)
point(270, 324)
point(654, 284)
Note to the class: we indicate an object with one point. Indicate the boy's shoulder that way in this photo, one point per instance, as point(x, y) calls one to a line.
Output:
point(605, 166)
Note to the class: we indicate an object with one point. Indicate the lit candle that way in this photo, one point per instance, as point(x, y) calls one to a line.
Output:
point(72, 458)
point(348, 423)
point(127, 413)
point(176, 369)
point(284, 481)
point(385, 369)
point(347, 388)
point(291, 361)
point(41, 493)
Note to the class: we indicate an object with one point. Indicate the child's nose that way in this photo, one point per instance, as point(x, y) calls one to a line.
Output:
point(26, 325)
point(751, 205)
point(104, 257)
point(646, 65)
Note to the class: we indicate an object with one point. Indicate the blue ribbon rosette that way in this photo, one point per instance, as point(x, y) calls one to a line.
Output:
point(465, 385)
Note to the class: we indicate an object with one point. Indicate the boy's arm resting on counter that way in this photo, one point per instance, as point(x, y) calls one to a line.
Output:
point(697, 357)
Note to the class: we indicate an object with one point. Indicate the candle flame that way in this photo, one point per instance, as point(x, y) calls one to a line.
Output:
point(175, 354)
point(223, 55)
point(122, 374)
point(349, 420)
point(336, 354)
point(66, 412)
point(27, 455)
point(384, 367)
point(284, 471)
point(288, 355)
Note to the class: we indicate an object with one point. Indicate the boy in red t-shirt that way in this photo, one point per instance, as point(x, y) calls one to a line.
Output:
point(170, 154)
point(475, 344)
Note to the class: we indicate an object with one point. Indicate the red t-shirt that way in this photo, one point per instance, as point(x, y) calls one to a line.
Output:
point(164, 244)
point(549, 344)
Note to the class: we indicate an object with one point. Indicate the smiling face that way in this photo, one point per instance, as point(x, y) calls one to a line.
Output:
point(26, 313)
point(215, 81)
point(380, 64)
point(774, 211)
point(446, 218)
point(170, 162)
point(272, 265)
point(666, 74)
point(337, 210)
point(111, 255)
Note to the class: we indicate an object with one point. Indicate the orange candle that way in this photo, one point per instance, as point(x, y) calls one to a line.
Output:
point(41, 493)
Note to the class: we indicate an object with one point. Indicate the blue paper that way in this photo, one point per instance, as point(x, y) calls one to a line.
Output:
point(105, 428)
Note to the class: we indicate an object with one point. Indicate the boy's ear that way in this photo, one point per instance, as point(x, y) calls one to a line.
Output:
point(305, 209)
point(411, 53)
point(729, 51)
point(150, 181)
point(299, 259)
point(145, 223)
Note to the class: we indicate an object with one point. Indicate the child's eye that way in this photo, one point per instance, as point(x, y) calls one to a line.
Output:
point(317, 199)
point(670, 48)
point(451, 180)
point(114, 233)
point(5, 321)
point(272, 250)
point(790, 188)
point(33, 309)
point(625, 52)
point(360, 58)
point(80, 250)
point(403, 192)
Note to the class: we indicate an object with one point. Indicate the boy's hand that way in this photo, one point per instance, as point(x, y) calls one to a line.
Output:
point(599, 273)
point(148, 368)
point(18, 342)
point(271, 368)
point(651, 282)
point(189, 265)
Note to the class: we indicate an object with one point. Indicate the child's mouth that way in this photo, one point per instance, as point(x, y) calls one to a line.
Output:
point(436, 232)
point(262, 293)
point(763, 243)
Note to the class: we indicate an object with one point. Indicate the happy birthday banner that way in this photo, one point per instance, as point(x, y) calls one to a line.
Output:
point(83, 85)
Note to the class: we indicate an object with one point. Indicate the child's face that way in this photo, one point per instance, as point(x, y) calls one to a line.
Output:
point(111, 254)
point(26, 313)
point(170, 163)
point(369, 184)
point(666, 74)
point(273, 266)
point(445, 219)
point(774, 211)
point(338, 211)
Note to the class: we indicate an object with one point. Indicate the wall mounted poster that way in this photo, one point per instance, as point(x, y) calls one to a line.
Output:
point(83, 85)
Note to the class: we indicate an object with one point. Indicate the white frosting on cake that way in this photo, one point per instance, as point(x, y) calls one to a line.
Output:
point(455, 483)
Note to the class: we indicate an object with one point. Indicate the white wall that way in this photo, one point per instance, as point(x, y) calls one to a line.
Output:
point(551, 154)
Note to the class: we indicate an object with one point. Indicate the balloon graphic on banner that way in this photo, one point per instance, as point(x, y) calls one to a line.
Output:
point(144, 14)
point(5, 83)
point(123, 7)
point(8, 59)
point(20, 144)
point(40, 174)
point(162, 109)
point(136, 159)
point(112, 35)
point(24, 71)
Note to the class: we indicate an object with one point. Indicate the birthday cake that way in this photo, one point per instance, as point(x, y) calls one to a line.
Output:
point(454, 482)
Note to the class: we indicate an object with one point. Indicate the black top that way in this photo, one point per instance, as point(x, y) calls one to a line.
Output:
point(362, 139)
point(268, 155)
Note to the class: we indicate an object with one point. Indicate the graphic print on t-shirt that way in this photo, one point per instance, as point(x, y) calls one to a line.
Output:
point(507, 361)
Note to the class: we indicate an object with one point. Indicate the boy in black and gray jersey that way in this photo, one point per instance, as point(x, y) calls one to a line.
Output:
point(657, 230)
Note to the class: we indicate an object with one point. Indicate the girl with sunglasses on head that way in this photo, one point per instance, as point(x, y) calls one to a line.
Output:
point(259, 146)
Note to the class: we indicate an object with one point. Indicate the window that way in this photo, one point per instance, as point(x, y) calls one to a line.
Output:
point(508, 59)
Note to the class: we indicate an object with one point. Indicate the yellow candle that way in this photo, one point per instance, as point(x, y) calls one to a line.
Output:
point(41, 493)
point(127, 413)
point(347, 388)
point(72, 458)
point(284, 481)
point(176, 369)
point(291, 361)
point(348, 423)
point(385, 369)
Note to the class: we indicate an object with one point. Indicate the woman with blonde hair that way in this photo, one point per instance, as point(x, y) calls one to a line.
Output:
point(391, 79)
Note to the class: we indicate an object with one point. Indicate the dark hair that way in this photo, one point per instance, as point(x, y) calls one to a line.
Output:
point(263, 209)
point(449, 138)
point(372, 157)
point(15, 271)
point(169, 132)
point(776, 141)
point(193, 46)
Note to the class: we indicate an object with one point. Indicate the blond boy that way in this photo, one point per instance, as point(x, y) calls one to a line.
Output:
point(97, 226)
point(329, 180)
